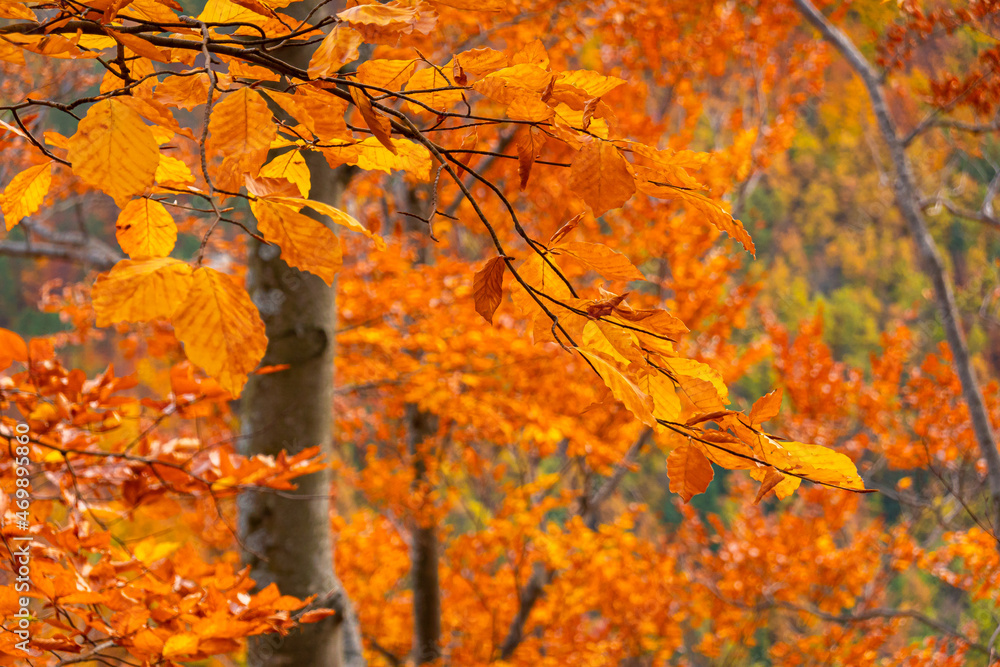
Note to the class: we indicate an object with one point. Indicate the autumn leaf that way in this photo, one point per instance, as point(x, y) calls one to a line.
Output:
point(622, 387)
point(772, 478)
point(241, 129)
point(385, 23)
point(139, 290)
point(765, 408)
point(221, 329)
point(291, 166)
point(379, 125)
point(12, 348)
point(388, 74)
point(305, 243)
point(487, 287)
point(609, 263)
point(335, 214)
point(600, 175)
point(529, 144)
point(431, 78)
point(689, 471)
point(145, 229)
point(25, 193)
point(338, 48)
point(114, 151)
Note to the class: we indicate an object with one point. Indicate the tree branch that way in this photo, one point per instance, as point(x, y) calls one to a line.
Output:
point(908, 204)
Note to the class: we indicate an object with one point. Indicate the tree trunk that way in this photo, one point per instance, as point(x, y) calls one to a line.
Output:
point(424, 549)
point(287, 538)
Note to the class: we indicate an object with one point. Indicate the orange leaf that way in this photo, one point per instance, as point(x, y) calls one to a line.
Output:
point(765, 408)
point(600, 175)
point(338, 48)
point(487, 287)
point(305, 243)
point(221, 329)
point(772, 478)
point(379, 125)
point(609, 263)
point(529, 145)
point(12, 348)
point(242, 129)
point(689, 471)
point(622, 387)
point(335, 214)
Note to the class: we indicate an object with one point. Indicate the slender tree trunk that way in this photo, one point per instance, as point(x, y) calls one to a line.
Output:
point(420, 425)
point(424, 549)
point(287, 539)
point(908, 204)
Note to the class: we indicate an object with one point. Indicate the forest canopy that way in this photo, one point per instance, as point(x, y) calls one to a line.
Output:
point(515, 332)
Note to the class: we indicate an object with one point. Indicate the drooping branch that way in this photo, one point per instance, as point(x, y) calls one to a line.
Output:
point(908, 203)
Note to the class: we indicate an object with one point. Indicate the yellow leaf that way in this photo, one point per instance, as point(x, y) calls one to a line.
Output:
point(184, 643)
point(529, 107)
point(12, 9)
point(487, 287)
point(505, 85)
point(814, 462)
point(613, 341)
point(242, 129)
point(622, 387)
point(221, 329)
point(139, 46)
point(609, 263)
point(338, 48)
point(594, 84)
point(170, 170)
point(145, 229)
point(184, 92)
point(114, 151)
point(717, 394)
point(25, 193)
point(291, 166)
point(689, 471)
point(533, 54)
point(388, 74)
point(140, 290)
point(334, 214)
point(600, 175)
point(666, 403)
point(305, 243)
point(429, 79)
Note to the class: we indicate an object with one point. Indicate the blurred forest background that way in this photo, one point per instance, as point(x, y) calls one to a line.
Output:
point(548, 500)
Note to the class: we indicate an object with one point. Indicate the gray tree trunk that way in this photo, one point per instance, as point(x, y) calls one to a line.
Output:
point(908, 205)
point(287, 538)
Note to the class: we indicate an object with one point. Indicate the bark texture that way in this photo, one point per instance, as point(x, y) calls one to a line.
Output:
point(287, 539)
point(908, 203)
